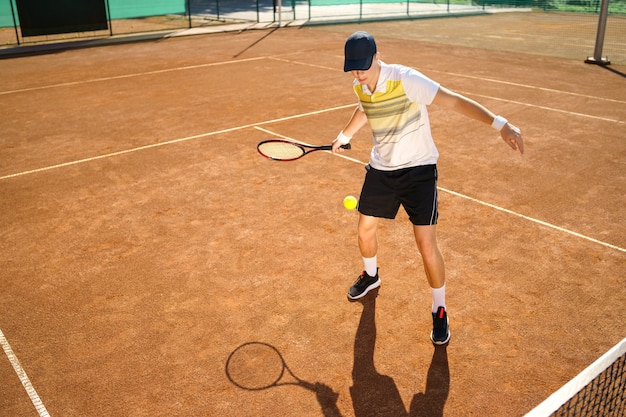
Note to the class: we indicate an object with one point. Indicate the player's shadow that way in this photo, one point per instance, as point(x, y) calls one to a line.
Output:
point(377, 395)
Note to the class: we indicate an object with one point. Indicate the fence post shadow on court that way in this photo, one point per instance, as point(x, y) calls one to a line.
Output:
point(374, 394)
point(613, 70)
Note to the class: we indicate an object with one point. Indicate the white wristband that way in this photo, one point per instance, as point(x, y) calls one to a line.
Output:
point(343, 139)
point(498, 123)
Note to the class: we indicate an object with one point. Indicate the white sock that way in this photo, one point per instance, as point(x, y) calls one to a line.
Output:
point(439, 297)
point(370, 266)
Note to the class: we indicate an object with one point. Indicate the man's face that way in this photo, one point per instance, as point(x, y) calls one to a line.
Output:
point(368, 76)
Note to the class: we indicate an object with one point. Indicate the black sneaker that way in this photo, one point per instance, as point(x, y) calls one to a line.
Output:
point(363, 285)
point(441, 333)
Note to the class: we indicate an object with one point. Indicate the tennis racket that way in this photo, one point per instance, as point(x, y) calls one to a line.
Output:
point(256, 366)
point(286, 150)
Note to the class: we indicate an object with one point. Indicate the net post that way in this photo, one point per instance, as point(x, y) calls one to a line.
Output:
point(597, 53)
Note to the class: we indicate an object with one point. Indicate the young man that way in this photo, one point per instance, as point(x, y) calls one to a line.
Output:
point(402, 169)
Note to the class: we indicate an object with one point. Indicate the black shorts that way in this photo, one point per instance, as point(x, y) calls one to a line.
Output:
point(414, 188)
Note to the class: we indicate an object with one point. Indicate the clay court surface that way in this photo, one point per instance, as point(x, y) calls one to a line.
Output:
point(143, 238)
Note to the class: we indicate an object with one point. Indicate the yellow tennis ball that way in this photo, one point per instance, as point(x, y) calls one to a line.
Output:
point(350, 202)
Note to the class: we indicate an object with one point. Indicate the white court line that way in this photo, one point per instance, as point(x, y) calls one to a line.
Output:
point(305, 64)
point(319, 112)
point(541, 222)
point(475, 200)
point(271, 132)
point(255, 125)
point(605, 119)
point(170, 142)
point(119, 77)
point(491, 80)
point(30, 390)
point(549, 90)
point(571, 113)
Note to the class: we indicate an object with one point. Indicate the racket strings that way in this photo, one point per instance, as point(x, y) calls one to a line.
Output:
point(281, 150)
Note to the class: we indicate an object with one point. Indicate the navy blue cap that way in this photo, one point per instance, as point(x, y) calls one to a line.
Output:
point(359, 51)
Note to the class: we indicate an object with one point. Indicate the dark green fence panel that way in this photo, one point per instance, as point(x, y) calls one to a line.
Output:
point(49, 17)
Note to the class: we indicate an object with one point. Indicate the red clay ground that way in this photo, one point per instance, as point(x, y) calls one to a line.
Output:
point(143, 239)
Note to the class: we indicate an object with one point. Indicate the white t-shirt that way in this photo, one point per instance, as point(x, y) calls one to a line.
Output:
point(398, 118)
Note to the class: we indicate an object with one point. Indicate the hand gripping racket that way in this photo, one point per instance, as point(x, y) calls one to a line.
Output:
point(286, 150)
point(256, 366)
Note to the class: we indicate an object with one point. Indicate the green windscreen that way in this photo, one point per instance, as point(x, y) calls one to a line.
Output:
point(125, 9)
point(6, 19)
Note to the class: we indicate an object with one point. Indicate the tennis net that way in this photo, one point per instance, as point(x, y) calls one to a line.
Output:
point(599, 390)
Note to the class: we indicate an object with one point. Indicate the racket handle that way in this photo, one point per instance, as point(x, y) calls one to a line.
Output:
point(346, 146)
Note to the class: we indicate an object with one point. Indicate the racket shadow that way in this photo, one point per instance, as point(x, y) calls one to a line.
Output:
point(258, 366)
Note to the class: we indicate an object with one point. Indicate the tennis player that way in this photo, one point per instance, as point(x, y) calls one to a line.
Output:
point(402, 168)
